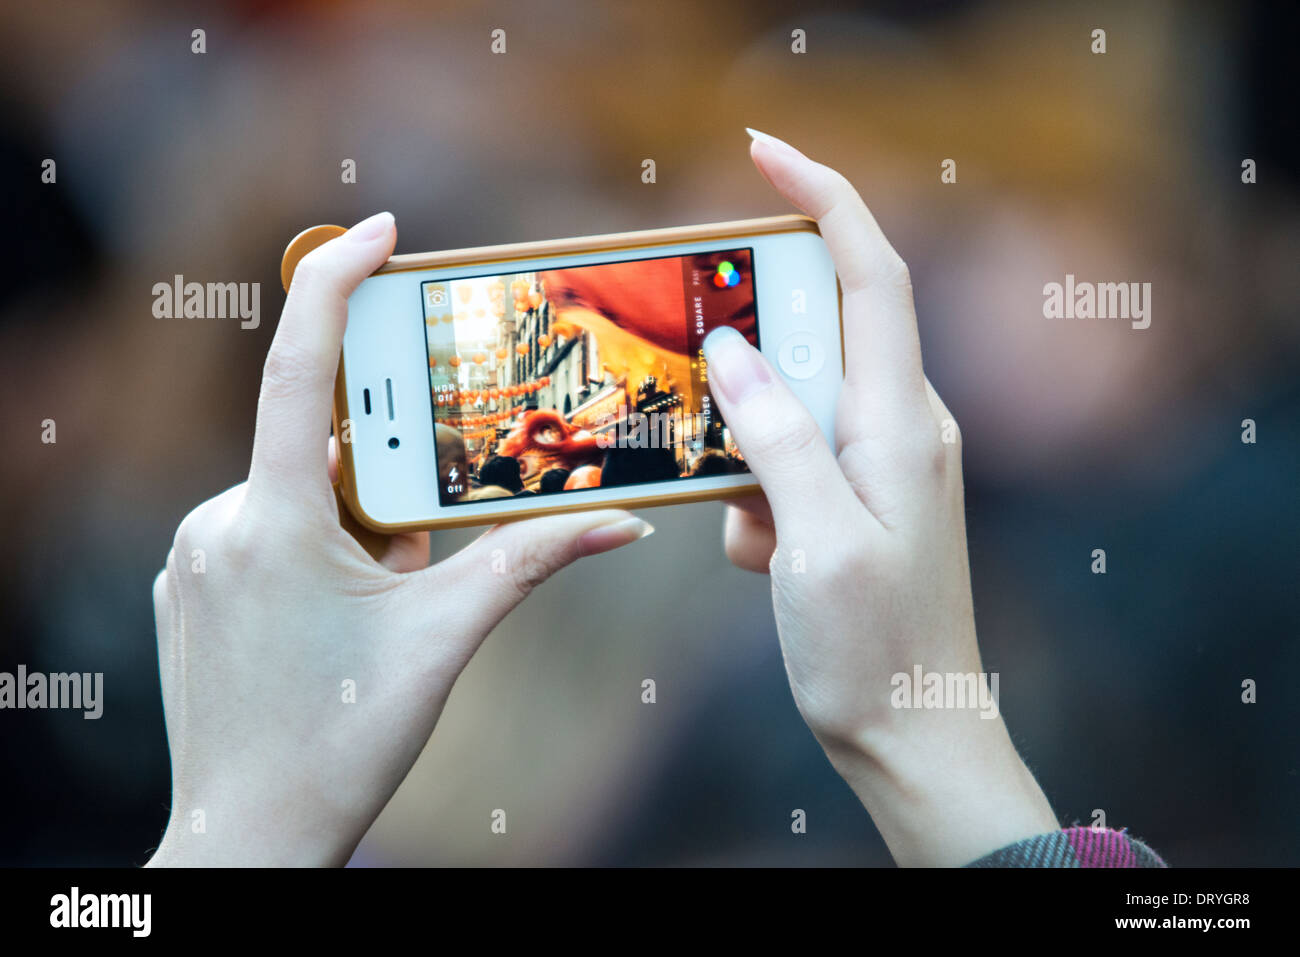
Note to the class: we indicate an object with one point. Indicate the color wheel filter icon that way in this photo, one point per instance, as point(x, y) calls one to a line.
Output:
point(726, 275)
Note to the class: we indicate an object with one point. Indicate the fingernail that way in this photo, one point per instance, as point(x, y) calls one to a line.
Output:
point(615, 535)
point(372, 228)
point(735, 368)
point(771, 141)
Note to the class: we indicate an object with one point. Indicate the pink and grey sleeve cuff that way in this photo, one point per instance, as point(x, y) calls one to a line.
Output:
point(1074, 847)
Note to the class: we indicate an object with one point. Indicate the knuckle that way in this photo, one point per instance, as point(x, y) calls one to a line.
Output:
point(529, 569)
point(160, 599)
point(287, 370)
point(835, 720)
point(786, 439)
point(839, 186)
point(312, 269)
point(209, 529)
point(898, 273)
point(194, 529)
point(922, 450)
point(240, 538)
point(833, 191)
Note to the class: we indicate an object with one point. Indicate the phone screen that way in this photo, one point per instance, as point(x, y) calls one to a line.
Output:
point(590, 376)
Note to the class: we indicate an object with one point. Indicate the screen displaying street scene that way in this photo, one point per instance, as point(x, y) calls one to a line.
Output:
point(585, 377)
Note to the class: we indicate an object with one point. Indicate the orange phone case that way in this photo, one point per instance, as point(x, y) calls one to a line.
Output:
point(309, 239)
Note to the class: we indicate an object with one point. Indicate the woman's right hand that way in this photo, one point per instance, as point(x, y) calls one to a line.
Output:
point(867, 551)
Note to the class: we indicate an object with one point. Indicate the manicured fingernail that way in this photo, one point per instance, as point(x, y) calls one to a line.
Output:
point(372, 228)
point(615, 535)
point(771, 141)
point(735, 367)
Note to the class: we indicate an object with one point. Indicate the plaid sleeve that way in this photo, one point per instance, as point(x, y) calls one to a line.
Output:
point(1074, 847)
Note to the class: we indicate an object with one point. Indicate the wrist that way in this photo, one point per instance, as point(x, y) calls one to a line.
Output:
point(225, 837)
point(943, 789)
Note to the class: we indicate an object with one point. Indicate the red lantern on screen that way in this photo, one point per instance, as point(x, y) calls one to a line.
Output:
point(433, 363)
point(480, 358)
point(544, 341)
point(494, 394)
point(454, 361)
point(501, 353)
point(521, 349)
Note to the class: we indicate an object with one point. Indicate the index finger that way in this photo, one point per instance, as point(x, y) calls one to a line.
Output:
point(293, 410)
point(882, 348)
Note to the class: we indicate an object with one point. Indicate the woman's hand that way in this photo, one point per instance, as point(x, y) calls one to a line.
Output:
point(301, 677)
point(867, 551)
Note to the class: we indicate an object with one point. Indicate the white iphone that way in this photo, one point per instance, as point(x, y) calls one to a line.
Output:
point(487, 385)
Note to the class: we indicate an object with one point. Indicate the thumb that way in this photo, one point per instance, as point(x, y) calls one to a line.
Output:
point(781, 441)
point(483, 582)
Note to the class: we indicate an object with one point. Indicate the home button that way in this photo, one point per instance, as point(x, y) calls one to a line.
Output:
point(801, 355)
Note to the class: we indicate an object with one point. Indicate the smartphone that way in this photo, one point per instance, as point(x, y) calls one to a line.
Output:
point(487, 385)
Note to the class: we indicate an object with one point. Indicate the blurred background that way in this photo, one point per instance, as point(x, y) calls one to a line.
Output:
point(1121, 690)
